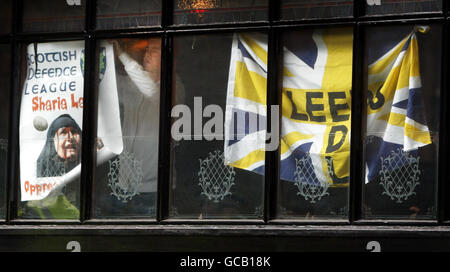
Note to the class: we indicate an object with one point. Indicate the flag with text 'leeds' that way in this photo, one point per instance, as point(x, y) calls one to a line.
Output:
point(316, 105)
point(395, 112)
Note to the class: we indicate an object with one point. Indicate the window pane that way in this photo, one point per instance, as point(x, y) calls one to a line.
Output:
point(128, 128)
point(219, 11)
point(5, 58)
point(51, 115)
point(53, 15)
point(315, 128)
point(5, 16)
point(216, 169)
point(128, 14)
point(402, 132)
point(303, 9)
point(375, 7)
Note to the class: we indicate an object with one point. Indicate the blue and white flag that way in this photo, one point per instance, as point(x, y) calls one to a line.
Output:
point(395, 112)
point(316, 105)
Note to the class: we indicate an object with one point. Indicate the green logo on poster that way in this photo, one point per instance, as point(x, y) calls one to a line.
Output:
point(102, 63)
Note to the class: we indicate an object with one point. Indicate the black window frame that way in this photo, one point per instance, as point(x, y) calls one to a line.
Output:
point(269, 228)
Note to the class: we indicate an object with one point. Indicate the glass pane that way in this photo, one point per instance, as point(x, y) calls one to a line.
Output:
point(53, 15)
point(119, 14)
point(5, 58)
point(402, 76)
point(5, 16)
point(375, 7)
point(305, 9)
point(128, 128)
point(315, 128)
point(219, 11)
point(216, 169)
point(51, 115)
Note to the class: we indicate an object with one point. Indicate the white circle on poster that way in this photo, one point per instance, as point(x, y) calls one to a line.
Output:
point(40, 123)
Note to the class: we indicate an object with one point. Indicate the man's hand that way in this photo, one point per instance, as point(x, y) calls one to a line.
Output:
point(117, 44)
point(100, 144)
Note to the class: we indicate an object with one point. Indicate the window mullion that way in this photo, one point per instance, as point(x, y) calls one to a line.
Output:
point(167, 13)
point(356, 140)
point(164, 131)
point(13, 145)
point(90, 19)
point(88, 155)
point(272, 163)
point(14, 100)
point(443, 172)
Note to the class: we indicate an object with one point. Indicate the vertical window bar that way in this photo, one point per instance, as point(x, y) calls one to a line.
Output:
point(443, 172)
point(359, 8)
point(13, 135)
point(91, 13)
point(89, 136)
point(356, 141)
point(167, 13)
point(271, 157)
point(164, 128)
point(274, 10)
point(17, 17)
point(14, 101)
point(163, 186)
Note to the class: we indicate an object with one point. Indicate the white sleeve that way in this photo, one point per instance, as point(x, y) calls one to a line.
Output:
point(139, 76)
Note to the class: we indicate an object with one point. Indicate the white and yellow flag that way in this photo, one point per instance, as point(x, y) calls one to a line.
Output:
point(395, 111)
point(316, 104)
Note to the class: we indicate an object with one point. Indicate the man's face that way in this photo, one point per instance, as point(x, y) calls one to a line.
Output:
point(152, 58)
point(67, 143)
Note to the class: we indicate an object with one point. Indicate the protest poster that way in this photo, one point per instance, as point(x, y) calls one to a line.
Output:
point(51, 115)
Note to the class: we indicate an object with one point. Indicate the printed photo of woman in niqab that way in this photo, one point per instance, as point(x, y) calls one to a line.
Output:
point(62, 151)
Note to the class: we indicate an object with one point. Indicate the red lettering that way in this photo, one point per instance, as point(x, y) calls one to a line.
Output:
point(63, 104)
point(56, 103)
point(35, 103)
point(38, 188)
point(48, 105)
point(74, 104)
